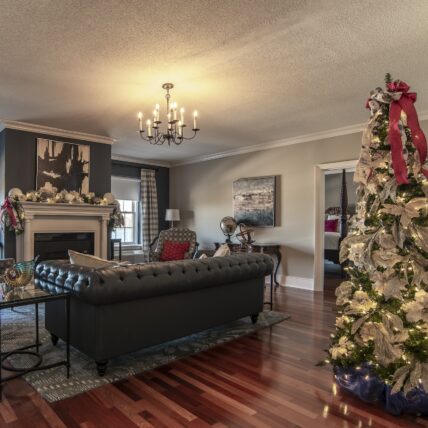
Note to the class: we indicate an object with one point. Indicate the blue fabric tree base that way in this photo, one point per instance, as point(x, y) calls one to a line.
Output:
point(368, 387)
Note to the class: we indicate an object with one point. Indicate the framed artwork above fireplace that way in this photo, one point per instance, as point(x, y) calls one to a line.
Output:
point(62, 165)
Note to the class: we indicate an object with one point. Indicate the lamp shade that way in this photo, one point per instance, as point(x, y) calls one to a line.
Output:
point(172, 215)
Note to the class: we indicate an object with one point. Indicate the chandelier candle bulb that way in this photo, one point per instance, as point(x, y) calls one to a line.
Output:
point(174, 107)
point(182, 115)
point(180, 128)
point(195, 116)
point(140, 121)
point(149, 128)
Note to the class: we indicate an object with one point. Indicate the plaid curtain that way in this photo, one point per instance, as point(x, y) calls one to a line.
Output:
point(149, 207)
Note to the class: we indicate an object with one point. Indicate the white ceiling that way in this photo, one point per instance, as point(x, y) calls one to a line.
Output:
point(257, 70)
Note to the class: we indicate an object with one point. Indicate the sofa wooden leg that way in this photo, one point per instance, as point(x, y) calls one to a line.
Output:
point(101, 367)
point(254, 318)
point(54, 339)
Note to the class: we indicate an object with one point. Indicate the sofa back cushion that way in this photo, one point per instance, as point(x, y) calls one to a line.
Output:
point(124, 283)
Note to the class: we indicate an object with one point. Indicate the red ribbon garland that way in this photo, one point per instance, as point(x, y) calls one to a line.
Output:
point(405, 103)
point(7, 205)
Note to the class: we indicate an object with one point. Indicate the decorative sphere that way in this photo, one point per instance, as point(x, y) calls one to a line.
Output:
point(228, 225)
point(15, 192)
point(109, 197)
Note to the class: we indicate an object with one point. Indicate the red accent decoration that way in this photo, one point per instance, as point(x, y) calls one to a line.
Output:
point(174, 250)
point(331, 225)
point(405, 103)
point(8, 207)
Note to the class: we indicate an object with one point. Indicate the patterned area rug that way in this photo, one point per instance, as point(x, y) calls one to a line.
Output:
point(53, 385)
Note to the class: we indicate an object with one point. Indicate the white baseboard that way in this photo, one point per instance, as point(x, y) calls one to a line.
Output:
point(296, 282)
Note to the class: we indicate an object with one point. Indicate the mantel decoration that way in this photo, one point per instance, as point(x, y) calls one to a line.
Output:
point(175, 129)
point(380, 347)
point(12, 212)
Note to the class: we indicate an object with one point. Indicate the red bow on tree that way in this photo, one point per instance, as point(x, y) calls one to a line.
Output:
point(404, 102)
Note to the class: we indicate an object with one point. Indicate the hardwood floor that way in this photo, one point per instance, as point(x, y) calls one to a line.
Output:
point(267, 379)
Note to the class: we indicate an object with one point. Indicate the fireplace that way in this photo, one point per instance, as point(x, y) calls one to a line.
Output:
point(55, 246)
point(51, 229)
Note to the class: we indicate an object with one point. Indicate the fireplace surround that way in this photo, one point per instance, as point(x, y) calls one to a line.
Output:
point(43, 218)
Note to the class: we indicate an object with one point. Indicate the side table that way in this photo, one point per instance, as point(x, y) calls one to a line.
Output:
point(112, 247)
point(271, 249)
point(31, 295)
point(268, 248)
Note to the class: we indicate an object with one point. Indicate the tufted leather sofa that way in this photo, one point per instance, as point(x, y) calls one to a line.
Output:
point(123, 309)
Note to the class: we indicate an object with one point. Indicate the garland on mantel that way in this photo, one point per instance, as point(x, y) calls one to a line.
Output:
point(12, 214)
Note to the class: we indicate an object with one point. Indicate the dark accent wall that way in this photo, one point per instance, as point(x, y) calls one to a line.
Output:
point(18, 150)
point(133, 170)
point(21, 161)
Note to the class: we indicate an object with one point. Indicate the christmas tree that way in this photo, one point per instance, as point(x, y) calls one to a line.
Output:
point(382, 323)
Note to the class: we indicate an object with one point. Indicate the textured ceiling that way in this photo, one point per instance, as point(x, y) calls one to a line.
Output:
point(257, 71)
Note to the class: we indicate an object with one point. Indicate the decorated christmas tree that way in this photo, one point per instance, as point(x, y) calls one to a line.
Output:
point(380, 347)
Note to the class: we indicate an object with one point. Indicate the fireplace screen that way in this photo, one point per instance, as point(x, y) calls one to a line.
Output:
point(55, 246)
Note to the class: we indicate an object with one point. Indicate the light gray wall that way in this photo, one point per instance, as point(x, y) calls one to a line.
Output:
point(333, 186)
point(203, 192)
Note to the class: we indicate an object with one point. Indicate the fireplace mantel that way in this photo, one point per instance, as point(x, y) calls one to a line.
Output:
point(60, 218)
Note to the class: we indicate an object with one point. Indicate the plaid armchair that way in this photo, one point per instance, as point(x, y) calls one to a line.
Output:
point(174, 234)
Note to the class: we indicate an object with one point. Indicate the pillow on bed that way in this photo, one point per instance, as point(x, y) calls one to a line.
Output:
point(331, 225)
point(333, 217)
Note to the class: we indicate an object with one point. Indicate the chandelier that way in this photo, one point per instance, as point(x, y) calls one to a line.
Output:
point(173, 132)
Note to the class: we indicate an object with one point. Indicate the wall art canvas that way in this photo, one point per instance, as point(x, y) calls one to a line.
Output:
point(254, 201)
point(62, 165)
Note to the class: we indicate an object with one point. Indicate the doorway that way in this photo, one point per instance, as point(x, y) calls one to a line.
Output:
point(328, 177)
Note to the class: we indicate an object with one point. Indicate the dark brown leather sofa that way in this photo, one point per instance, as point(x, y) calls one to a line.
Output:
point(119, 310)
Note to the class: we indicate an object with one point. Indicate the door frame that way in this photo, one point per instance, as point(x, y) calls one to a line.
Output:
point(320, 171)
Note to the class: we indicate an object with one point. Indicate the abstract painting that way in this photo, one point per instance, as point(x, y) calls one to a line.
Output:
point(254, 201)
point(62, 165)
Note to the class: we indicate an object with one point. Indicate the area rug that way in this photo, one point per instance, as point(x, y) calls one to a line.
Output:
point(18, 330)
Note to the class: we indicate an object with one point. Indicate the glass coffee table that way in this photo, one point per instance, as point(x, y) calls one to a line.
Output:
point(31, 295)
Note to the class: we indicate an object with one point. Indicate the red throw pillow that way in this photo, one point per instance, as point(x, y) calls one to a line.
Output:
point(331, 225)
point(174, 250)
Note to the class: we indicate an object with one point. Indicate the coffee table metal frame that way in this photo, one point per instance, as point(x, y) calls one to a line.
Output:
point(21, 371)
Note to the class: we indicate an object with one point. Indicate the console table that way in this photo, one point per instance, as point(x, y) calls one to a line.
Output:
point(270, 248)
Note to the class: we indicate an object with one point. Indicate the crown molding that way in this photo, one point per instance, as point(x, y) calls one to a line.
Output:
point(57, 132)
point(141, 161)
point(305, 138)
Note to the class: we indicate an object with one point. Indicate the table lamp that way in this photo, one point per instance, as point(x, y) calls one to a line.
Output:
point(172, 215)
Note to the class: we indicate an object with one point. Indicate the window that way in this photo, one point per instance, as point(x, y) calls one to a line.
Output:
point(127, 192)
point(129, 232)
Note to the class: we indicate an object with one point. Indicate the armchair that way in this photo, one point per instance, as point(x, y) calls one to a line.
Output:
point(174, 234)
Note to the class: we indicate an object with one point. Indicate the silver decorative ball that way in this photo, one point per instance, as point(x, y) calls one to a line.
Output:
point(228, 225)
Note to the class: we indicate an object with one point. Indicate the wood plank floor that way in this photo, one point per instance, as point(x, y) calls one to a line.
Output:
point(267, 379)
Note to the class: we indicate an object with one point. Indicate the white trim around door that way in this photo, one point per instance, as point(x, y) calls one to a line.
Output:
point(319, 174)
